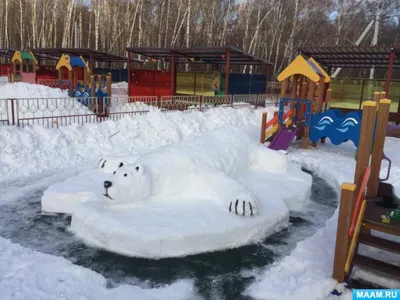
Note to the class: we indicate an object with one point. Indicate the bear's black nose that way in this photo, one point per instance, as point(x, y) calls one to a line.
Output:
point(107, 184)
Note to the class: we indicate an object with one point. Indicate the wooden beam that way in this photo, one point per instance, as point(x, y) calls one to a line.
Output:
point(347, 199)
point(379, 144)
point(365, 142)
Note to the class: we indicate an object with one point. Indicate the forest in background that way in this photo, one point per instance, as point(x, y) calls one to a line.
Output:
point(270, 29)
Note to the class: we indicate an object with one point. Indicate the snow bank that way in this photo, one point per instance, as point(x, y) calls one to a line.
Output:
point(35, 103)
point(122, 84)
point(32, 150)
point(307, 272)
point(27, 90)
point(30, 275)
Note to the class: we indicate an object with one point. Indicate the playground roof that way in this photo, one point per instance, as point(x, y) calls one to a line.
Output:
point(353, 56)
point(86, 53)
point(216, 55)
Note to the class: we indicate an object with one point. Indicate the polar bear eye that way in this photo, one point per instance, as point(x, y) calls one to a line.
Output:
point(125, 175)
point(121, 165)
point(137, 168)
point(115, 172)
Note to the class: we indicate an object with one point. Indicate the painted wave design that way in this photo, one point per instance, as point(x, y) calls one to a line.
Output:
point(325, 121)
point(337, 128)
point(347, 124)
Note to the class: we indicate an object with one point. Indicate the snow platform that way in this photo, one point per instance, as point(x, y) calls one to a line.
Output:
point(179, 228)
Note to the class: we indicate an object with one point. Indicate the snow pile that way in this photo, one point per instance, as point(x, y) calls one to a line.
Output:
point(27, 90)
point(307, 271)
point(30, 275)
point(119, 88)
point(35, 103)
point(122, 84)
point(28, 151)
point(191, 214)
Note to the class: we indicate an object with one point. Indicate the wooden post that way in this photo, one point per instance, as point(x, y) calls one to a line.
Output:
point(347, 201)
point(60, 74)
point(365, 142)
point(75, 78)
point(70, 83)
point(85, 77)
point(320, 94)
point(377, 96)
point(294, 91)
point(109, 84)
point(379, 143)
point(310, 96)
point(283, 88)
point(263, 122)
point(328, 98)
point(383, 95)
point(92, 92)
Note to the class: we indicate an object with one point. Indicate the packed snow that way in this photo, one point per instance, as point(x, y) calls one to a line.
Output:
point(30, 275)
point(191, 214)
point(36, 157)
point(289, 279)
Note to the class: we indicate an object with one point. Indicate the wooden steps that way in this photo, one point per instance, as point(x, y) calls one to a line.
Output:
point(372, 221)
point(377, 265)
point(379, 243)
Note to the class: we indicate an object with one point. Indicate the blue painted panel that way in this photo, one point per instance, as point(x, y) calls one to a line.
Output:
point(338, 128)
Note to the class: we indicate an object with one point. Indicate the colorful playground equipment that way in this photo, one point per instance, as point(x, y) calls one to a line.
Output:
point(307, 80)
point(24, 66)
point(81, 83)
point(369, 203)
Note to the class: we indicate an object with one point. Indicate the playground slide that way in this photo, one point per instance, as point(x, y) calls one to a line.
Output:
point(283, 139)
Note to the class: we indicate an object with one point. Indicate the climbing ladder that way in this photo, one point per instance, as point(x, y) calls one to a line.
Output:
point(366, 205)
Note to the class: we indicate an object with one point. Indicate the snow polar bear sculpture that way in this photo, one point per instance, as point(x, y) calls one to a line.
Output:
point(201, 166)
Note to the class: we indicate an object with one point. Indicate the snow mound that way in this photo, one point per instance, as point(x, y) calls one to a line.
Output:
point(28, 90)
point(188, 214)
point(30, 275)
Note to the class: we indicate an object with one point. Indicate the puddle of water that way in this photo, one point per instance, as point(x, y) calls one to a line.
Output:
point(218, 275)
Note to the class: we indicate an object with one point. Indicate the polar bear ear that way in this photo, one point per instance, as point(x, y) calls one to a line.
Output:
point(139, 169)
point(102, 163)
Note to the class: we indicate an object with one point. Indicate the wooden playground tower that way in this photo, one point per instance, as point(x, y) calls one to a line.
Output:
point(25, 65)
point(305, 79)
point(71, 63)
point(361, 207)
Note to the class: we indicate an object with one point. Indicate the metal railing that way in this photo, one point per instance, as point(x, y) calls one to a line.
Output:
point(55, 112)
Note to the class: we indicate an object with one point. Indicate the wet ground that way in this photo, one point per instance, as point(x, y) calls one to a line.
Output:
point(218, 275)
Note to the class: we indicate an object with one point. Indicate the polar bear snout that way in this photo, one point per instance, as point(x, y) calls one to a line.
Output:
point(107, 184)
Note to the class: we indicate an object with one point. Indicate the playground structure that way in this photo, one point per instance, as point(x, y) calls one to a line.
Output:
point(348, 93)
point(368, 203)
point(81, 82)
point(24, 66)
point(307, 80)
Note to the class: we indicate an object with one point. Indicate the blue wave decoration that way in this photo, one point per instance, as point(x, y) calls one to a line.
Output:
point(338, 128)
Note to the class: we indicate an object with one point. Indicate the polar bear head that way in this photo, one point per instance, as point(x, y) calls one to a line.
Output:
point(129, 184)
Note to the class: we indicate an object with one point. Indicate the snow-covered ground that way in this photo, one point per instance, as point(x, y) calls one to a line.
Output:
point(33, 158)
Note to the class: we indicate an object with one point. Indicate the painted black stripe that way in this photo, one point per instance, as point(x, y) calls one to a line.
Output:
point(236, 205)
point(244, 207)
point(251, 209)
point(103, 164)
point(230, 207)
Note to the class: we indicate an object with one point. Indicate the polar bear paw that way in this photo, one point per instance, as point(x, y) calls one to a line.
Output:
point(243, 206)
